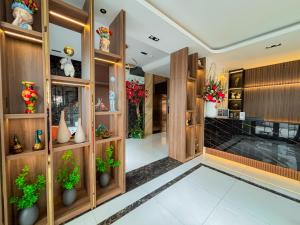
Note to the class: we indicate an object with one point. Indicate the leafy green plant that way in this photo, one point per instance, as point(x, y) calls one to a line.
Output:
point(102, 165)
point(68, 174)
point(100, 130)
point(136, 131)
point(30, 192)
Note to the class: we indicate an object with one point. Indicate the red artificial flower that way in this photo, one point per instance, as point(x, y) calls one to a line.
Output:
point(209, 97)
point(214, 87)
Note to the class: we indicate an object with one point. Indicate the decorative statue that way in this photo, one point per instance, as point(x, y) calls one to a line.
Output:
point(100, 106)
point(104, 34)
point(22, 12)
point(66, 63)
point(38, 145)
point(30, 97)
point(112, 101)
point(17, 147)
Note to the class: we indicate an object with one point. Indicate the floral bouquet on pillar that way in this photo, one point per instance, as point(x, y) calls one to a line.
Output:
point(213, 94)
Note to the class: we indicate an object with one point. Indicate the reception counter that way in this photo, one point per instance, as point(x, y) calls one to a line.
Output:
point(261, 141)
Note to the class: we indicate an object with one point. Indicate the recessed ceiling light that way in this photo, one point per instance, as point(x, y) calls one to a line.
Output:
point(273, 46)
point(153, 38)
point(103, 11)
point(144, 53)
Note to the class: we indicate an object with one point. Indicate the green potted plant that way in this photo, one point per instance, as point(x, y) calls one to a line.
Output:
point(103, 166)
point(26, 204)
point(68, 176)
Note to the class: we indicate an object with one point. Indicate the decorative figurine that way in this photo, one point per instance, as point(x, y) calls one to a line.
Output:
point(17, 147)
point(79, 135)
point(112, 101)
point(66, 63)
point(63, 133)
point(102, 132)
point(104, 34)
point(100, 106)
point(38, 145)
point(30, 96)
point(22, 12)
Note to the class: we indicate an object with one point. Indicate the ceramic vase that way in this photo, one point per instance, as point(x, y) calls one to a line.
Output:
point(63, 133)
point(104, 179)
point(30, 97)
point(79, 135)
point(29, 216)
point(211, 110)
point(104, 44)
point(69, 197)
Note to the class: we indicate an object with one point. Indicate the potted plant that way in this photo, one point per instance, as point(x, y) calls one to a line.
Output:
point(213, 94)
point(68, 176)
point(103, 166)
point(26, 204)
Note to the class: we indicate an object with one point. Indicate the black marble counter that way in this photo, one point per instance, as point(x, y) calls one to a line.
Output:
point(275, 143)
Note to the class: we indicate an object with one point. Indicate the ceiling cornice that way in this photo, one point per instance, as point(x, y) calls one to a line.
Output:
point(240, 44)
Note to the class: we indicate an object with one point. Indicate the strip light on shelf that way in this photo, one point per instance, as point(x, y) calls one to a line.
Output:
point(23, 36)
point(69, 84)
point(273, 85)
point(105, 60)
point(66, 18)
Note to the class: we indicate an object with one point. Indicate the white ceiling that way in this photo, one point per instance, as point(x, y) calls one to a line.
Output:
point(231, 32)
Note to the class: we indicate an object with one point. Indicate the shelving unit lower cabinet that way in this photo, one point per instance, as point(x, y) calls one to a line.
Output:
point(82, 203)
point(115, 185)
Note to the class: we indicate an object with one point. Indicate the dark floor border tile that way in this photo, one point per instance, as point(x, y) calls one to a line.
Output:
point(253, 184)
point(146, 198)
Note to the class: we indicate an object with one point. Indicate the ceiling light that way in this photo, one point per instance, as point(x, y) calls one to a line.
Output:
point(103, 11)
point(153, 38)
point(144, 53)
point(273, 46)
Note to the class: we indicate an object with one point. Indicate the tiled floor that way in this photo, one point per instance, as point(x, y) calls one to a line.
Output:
point(205, 197)
point(140, 152)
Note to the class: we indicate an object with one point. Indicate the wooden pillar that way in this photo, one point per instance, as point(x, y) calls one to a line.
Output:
point(149, 104)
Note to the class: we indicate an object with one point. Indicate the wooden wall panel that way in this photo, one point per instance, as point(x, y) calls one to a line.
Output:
point(149, 104)
point(272, 92)
point(179, 70)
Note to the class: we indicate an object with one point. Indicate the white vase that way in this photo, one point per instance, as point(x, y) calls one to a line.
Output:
point(63, 134)
point(79, 135)
point(211, 110)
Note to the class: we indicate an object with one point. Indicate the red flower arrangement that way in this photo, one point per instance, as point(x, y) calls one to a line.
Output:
point(135, 92)
point(213, 92)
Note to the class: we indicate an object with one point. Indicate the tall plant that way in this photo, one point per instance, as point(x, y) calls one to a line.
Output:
point(68, 174)
point(136, 93)
point(30, 192)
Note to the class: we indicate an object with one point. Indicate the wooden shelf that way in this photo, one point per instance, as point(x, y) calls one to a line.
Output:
point(107, 113)
point(191, 126)
point(190, 110)
point(104, 194)
point(235, 110)
point(106, 140)
point(25, 116)
point(235, 88)
point(66, 15)
point(234, 99)
point(102, 83)
point(65, 213)
point(63, 80)
point(42, 221)
point(106, 56)
point(17, 32)
point(191, 79)
point(26, 153)
point(69, 145)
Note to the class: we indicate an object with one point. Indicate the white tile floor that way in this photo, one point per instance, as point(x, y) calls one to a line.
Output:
point(141, 152)
point(203, 197)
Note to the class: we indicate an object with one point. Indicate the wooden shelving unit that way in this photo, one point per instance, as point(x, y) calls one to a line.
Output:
point(18, 47)
point(108, 65)
point(186, 105)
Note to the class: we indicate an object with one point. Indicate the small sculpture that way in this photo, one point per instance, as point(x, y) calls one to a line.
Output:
point(112, 101)
point(30, 97)
point(100, 106)
point(63, 133)
point(104, 34)
point(66, 63)
point(79, 135)
point(22, 12)
point(102, 132)
point(17, 147)
point(38, 145)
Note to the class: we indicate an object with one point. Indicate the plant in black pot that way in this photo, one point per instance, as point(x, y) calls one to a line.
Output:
point(103, 166)
point(26, 204)
point(68, 176)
